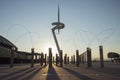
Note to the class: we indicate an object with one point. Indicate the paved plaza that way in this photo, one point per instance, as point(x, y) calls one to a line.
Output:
point(111, 71)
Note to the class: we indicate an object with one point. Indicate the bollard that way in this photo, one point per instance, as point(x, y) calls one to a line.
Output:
point(68, 60)
point(65, 59)
point(39, 58)
point(42, 59)
point(85, 57)
point(73, 59)
point(61, 59)
point(45, 59)
point(101, 56)
point(32, 56)
point(77, 58)
point(80, 59)
point(53, 60)
point(89, 60)
point(56, 59)
point(36, 58)
point(12, 57)
point(50, 57)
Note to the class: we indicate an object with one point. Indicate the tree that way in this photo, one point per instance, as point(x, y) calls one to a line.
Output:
point(114, 56)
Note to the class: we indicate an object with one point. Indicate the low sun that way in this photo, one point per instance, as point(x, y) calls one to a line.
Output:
point(46, 49)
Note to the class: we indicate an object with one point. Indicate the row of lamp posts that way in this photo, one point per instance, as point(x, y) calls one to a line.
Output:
point(87, 56)
point(79, 58)
point(42, 59)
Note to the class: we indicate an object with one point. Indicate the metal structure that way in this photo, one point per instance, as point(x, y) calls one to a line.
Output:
point(58, 26)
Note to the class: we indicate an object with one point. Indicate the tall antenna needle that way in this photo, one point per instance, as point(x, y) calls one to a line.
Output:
point(58, 14)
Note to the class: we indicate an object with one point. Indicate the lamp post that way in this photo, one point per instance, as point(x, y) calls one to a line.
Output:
point(77, 58)
point(32, 56)
point(89, 58)
point(12, 57)
point(101, 56)
point(50, 57)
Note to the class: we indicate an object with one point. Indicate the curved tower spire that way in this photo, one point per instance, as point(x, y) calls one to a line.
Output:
point(58, 25)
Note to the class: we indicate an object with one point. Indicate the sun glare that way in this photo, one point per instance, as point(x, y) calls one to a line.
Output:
point(46, 49)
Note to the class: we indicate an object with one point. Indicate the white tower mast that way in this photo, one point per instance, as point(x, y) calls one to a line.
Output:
point(58, 25)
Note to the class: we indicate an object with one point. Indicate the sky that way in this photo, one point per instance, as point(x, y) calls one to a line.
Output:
point(88, 23)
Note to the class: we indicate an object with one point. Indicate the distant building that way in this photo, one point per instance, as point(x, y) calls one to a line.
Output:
point(19, 56)
point(5, 49)
point(6, 43)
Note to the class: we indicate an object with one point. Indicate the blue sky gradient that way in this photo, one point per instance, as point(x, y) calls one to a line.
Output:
point(88, 23)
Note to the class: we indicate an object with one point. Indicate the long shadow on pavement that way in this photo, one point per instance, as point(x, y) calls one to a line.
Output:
point(80, 76)
point(19, 71)
point(34, 73)
point(23, 72)
point(52, 75)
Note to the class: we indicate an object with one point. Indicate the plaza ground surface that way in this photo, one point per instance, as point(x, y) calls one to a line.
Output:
point(111, 71)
